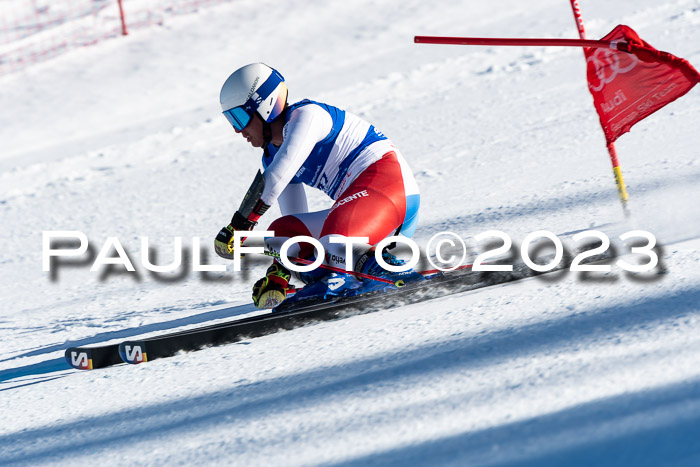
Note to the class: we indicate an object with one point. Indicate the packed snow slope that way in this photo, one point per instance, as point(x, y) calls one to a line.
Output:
point(125, 139)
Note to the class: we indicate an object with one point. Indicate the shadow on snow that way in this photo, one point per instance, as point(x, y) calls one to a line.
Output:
point(662, 436)
point(58, 364)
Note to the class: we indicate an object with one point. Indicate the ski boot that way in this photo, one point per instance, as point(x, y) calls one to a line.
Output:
point(367, 264)
point(272, 289)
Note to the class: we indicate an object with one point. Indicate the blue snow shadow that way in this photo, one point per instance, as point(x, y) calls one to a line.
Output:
point(560, 202)
point(36, 369)
point(597, 433)
point(656, 426)
point(59, 364)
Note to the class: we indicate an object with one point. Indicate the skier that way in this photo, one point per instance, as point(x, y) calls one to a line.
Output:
point(375, 194)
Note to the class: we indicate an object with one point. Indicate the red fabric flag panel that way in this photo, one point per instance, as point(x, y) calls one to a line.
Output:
point(628, 87)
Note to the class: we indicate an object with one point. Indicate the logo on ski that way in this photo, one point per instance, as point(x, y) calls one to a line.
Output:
point(134, 354)
point(80, 360)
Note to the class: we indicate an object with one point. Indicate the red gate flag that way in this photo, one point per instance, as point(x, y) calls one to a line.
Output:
point(631, 85)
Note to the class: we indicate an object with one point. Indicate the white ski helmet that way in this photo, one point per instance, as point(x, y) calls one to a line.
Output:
point(253, 88)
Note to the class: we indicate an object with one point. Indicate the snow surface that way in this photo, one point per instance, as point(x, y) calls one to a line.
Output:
point(125, 139)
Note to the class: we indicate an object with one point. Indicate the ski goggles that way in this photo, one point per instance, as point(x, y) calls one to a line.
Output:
point(238, 117)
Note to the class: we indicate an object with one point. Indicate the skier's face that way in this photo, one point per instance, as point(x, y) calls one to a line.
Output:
point(253, 132)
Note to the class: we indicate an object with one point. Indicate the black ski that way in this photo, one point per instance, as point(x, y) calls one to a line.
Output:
point(286, 317)
point(95, 357)
point(293, 314)
point(89, 358)
point(101, 356)
point(309, 311)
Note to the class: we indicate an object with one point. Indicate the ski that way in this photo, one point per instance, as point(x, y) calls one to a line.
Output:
point(292, 314)
point(102, 356)
point(310, 311)
point(90, 358)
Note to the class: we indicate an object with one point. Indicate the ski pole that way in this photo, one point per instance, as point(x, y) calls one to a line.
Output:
point(617, 45)
point(398, 283)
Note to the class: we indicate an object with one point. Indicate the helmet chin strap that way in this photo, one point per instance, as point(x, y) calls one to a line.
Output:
point(267, 133)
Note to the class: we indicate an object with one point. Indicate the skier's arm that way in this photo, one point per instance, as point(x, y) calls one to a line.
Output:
point(306, 126)
point(293, 200)
point(252, 207)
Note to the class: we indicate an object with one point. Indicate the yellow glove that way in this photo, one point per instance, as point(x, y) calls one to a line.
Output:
point(224, 241)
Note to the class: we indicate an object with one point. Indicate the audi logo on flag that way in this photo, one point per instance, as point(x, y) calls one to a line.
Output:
point(607, 64)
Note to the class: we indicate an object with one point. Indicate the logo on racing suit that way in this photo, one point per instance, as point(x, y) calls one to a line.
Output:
point(335, 260)
point(359, 194)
